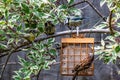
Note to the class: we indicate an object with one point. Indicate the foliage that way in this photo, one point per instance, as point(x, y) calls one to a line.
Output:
point(40, 56)
point(23, 21)
point(111, 51)
point(19, 18)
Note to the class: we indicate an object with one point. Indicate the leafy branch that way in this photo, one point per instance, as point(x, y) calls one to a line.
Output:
point(55, 35)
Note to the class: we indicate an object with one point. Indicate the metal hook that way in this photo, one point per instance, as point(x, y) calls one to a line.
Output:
point(77, 28)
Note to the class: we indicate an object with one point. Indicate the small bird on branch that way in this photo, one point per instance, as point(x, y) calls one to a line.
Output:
point(74, 22)
point(49, 28)
point(83, 66)
point(29, 37)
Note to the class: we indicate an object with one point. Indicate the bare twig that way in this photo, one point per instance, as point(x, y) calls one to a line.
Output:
point(4, 66)
point(110, 23)
point(28, 2)
point(38, 75)
point(54, 63)
point(96, 10)
point(57, 2)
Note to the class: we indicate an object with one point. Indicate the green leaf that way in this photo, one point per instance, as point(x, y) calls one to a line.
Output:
point(6, 14)
point(2, 32)
point(18, 74)
point(52, 52)
point(2, 22)
point(70, 1)
point(23, 62)
point(62, 6)
point(3, 46)
point(4, 1)
point(102, 42)
point(3, 38)
point(8, 1)
point(46, 66)
point(101, 26)
point(117, 49)
point(25, 8)
point(40, 27)
point(39, 14)
point(118, 24)
point(34, 67)
point(10, 40)
point(53, 1)
point(19, 27)
point(51, 40)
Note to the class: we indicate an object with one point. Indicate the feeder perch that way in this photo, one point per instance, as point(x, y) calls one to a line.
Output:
point(75, 51)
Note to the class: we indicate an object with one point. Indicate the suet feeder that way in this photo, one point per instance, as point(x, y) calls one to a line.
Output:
point(75, 51)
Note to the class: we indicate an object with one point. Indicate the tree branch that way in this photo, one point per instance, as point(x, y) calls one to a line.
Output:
point(38, 75)
point(110, 23)
point(26, 44)
point(4, 66)
point(96, 10)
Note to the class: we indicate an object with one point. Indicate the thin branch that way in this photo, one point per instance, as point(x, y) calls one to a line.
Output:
point(4, 66)
point(38, 75)
point(73, 31)
point(55, 35)
point(57, 2)
point(91, 5)
point(28, 2)
point(110, 23)
point(96, 10)
point(54, 63)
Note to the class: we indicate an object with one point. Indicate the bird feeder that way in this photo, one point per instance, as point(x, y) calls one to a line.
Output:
point(75, 51)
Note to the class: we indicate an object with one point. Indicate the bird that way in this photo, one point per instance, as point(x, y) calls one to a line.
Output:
point(83, 65)
point(49, 28)
point(74, 22)
point(30, 37)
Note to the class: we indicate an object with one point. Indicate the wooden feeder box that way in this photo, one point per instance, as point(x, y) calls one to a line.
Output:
point(73, 52)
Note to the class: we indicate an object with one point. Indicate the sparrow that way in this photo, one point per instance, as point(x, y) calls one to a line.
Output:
point(83, 66)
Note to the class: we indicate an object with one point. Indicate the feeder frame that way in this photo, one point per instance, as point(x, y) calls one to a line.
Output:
point(72, 58)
